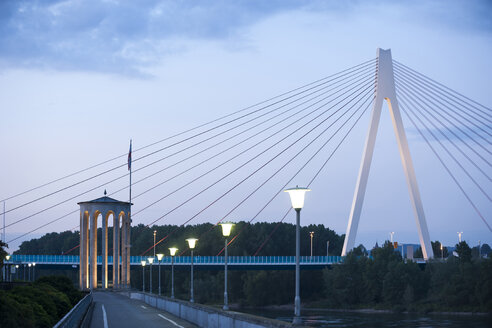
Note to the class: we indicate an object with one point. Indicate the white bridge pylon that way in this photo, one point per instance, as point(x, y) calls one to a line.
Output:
point(385, 90)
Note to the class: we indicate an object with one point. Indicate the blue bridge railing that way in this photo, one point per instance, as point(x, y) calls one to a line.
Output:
point(185, 260)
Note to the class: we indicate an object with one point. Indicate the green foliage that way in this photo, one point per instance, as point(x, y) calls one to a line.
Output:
point(385, 281)
point(464, 252)
point(3, 253)
point(41, 304)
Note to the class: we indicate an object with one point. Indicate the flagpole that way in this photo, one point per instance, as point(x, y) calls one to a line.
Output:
point(129, 216)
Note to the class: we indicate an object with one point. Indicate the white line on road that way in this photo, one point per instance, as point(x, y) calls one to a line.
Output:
point(143, 307)
point(174, 323)
point(105, 318)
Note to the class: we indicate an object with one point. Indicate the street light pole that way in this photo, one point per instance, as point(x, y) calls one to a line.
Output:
point(151, 260)
point(311, 234)
point(34, 271)
point(143, 275)
point(442, 252)
point(297, 199)
point(191, 244)
point(173, 251)
point(226, 232)
point(159, 258)
point(29, 272)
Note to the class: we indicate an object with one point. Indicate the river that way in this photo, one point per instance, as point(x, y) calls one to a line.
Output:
point(326, 318)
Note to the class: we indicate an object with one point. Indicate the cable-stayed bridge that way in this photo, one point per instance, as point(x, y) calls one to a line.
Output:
point(247, 158)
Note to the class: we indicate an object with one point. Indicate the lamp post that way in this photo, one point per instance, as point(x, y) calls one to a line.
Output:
point(33, 271)
point(442, 252)
point(173, 251)
point(226, 232)
point(29, 272)
point(24, 269)
point(143, 262)
point(311, 234)
point(151, 260)
point(159, 258)
point(7, 271)
point(460, 233)
point(297, 199)
point(191, 244)
point(17, 271)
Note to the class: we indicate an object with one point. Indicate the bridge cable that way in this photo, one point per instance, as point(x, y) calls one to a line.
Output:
point(161, 149)
point(452, 93)
point(94, 188)
point(406, 97)
point(357, 67)
point(403, 105)
point(436, 97)
point(262, 166)
point(410, 93)
point(235, 156)
point(312, 179)
point(316, 153)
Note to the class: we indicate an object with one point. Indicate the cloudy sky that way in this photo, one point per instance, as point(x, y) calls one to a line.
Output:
point(78, 79)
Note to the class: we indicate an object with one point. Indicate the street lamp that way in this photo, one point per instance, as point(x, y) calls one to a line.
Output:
point(17, 271)
point(442, 252)
point(143, 262)
point(226, 232)
point(459, 235)
point(173, 251)
point(159, 258)
point(33, 271)
point(7, 271)
point(191, 244)
point(297, 199)
point(151, 260)
point(29, 272)
point(311, 234)
point(391, 236)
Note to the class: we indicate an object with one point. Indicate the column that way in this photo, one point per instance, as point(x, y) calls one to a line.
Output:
point(123, 251)
point(116, 251)
point(81, 252)
point(104, 253)
point(93, 250)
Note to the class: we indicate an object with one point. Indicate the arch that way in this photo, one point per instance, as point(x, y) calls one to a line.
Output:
point(90, 212)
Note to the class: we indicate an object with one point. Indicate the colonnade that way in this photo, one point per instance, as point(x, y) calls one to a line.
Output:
point(90, 211)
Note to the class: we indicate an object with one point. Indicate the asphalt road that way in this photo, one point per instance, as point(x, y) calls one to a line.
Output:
point(115, 310)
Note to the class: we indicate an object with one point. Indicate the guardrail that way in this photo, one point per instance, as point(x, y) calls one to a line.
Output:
point(186, 260)
point(77, 314)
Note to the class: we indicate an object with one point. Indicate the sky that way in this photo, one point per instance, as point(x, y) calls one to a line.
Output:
point(78, 79)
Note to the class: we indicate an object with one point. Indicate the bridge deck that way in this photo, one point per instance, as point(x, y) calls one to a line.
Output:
point(186, 260)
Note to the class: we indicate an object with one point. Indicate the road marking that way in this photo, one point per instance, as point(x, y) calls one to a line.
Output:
point(105, 318)
point(174, 323)
point(143, 307)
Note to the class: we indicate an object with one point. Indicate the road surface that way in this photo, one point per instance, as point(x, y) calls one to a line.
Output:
point(115, 310)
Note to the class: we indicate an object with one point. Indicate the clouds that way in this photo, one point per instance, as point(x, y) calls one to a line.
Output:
point(124, 37)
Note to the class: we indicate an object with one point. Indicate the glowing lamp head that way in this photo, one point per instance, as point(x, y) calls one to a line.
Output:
point(160, 256)
point(151, 260)
point(226, 228)
point(191, 242)
point(34, 264)
point(297, 196)
point(143, 262)
point(29, 264)
point(173, 251)
point(7, 257)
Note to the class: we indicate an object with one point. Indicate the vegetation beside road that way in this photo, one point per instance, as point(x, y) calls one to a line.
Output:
point(39, 304)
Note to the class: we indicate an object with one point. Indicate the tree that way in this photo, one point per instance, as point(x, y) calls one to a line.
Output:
point(464, 252)
point(3, 252)
point(436, 248)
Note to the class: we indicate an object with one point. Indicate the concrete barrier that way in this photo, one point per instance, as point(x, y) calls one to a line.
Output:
point(207, 316)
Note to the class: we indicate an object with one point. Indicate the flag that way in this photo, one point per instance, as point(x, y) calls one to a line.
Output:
point(130, 157)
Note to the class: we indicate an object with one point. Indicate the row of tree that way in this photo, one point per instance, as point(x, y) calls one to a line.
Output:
point(247, 240)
